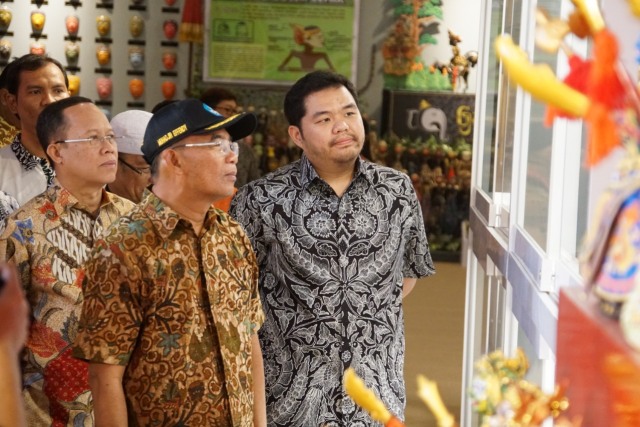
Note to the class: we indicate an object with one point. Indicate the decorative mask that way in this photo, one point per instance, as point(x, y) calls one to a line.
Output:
point(38, 19)
point(74, 84)
point(103, 22)
point(37, 48)
point(72, 51)
point(136, 26)
point(72, 22)
point(104, 85)
point(103, 53)
point(168, 90)
point(5, 17)
point(170, 2)
point(170, 28)
point(5, 49)
point(169, 60)
point(136, 88)
point(136, 56)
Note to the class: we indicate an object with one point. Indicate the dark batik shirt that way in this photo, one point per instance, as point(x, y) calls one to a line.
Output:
point(331, 277)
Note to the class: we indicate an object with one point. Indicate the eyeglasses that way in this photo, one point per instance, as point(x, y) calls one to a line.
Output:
point(225, 110)
point(225, 145)
point(140, 171)
point(94, 141)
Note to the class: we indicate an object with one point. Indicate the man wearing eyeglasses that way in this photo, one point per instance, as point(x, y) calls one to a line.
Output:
point(134, 174)
point(49, 239)
point(171, 310)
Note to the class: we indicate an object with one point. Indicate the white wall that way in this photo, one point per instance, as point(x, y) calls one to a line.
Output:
point(56, 12)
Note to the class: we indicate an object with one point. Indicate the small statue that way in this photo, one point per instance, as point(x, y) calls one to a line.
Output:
point(5, 49)
point(136, 88)
point(168, 89)
point(38, 18)
point(169, 59)
point(136, 26)
point(103, 24)
point(5, 17)
point(72, 23)
point(72, 52)
point(74, 84)
point(460, 65)
point(136, 56)
point(103, 54)
point(104, 86)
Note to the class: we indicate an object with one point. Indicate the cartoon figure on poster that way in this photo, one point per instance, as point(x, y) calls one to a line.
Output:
point(310, 38)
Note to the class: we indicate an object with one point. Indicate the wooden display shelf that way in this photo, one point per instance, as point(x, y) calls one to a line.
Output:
point(601, 371)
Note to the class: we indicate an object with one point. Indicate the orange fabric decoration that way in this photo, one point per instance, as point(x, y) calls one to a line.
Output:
point(603, 133)
point(604, 86)
point(225, 204)
point(579, 70)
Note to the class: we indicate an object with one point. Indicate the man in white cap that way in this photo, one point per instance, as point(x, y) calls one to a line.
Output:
point(134, 174)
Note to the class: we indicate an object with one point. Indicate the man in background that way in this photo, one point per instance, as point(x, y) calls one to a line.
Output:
point(49, 239)
point(33, 82)
point(171, 311)
point(14, 324)
point(225, 103)
point(9, 123)
point(134, 174)
point(339, 242)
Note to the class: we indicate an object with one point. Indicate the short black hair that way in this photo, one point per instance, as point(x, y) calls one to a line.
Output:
point(214, 95)
point(315, 81)
point(162, 104)
point(29, 62)
point(51, 121)
point(4, 75)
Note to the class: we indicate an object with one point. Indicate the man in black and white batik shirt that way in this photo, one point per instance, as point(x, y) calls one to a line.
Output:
point(339, 242)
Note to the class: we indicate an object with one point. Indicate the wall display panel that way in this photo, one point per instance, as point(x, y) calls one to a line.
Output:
point(277, 42)
point(104, 45)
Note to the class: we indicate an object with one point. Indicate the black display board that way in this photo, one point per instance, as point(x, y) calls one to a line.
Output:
point(446, 115)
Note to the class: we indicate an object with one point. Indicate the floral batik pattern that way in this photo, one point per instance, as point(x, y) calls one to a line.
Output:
point(49, 239)
point(331, 277)
point(179, 310)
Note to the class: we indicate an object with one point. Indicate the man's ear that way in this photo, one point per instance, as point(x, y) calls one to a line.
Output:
point(10, 100)
point(172, 160)
point(54, 153)
point(296, 135)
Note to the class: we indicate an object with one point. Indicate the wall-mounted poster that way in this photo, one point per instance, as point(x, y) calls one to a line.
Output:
point(278, 41)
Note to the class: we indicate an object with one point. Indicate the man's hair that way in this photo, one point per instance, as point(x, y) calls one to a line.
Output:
point(4, 74)
point(315, 81)
point(52, 122)
point(214, 95)
point(29, 62)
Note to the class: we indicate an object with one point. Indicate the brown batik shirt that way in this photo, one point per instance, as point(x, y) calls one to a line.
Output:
point(179, 311)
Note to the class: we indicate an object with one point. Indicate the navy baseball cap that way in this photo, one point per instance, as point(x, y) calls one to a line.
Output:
point(181, 119)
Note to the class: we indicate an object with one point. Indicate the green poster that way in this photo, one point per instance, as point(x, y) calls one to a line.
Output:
point(278, 41)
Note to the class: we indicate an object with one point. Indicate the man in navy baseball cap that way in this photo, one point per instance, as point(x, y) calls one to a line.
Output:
point(176, 258)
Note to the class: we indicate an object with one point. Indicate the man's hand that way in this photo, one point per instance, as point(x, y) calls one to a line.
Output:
point(14, 310)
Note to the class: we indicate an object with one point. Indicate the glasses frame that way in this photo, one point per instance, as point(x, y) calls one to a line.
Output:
point(140, 171)
point(233, 146)
point(111, 139)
